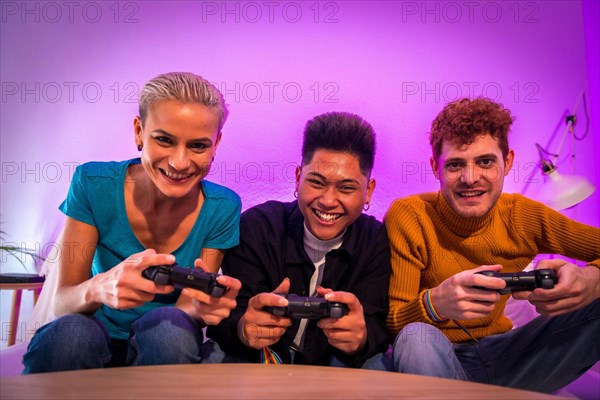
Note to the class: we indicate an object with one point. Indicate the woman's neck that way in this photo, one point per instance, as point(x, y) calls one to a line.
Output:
point(150, 200)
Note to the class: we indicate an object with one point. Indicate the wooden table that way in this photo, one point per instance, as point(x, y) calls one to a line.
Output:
point(246, 381)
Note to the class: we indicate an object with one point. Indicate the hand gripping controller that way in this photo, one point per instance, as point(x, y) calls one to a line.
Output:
point(194, 278)
point(308, 307)
point(521, 281)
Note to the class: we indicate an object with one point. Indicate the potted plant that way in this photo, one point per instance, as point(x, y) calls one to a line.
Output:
point(17, 251)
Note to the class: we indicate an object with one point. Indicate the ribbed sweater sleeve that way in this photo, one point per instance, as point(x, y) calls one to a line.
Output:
point(554, 233)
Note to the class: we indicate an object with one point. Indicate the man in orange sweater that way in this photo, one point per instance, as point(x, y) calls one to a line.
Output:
point(444, 325)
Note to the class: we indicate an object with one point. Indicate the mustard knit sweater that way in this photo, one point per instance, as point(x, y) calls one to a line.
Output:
point(430, 243)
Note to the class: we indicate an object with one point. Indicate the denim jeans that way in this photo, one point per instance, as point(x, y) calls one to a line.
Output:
point(165, 335)
point(544, 355)
point(420, 349)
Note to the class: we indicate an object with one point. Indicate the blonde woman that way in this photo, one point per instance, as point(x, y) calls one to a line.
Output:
point(123, 217)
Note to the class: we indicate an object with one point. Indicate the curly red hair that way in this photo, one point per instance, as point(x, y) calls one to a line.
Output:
point(462, 121)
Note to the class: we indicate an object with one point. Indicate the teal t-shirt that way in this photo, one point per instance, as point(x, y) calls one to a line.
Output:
point(96, 197)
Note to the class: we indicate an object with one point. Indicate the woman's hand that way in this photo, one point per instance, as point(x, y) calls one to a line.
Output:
point(123, 286)
point(204, 307)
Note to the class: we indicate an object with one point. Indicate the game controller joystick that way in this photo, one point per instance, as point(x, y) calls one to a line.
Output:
point(179, 277)
point(522, 281)
point(308, 307)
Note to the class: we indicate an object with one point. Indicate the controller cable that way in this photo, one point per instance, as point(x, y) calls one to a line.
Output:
point(267, 356)
point(465, 330)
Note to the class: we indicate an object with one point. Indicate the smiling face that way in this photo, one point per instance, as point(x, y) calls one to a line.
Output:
point(472, 176)
point(179, 142)
point(332, 191)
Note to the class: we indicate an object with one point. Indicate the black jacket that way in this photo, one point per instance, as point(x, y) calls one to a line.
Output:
point(271, 248)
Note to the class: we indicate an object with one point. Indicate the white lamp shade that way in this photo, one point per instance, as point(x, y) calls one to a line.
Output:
point(564, 191)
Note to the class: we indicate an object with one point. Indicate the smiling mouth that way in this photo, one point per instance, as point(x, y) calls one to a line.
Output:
point(175, 176)
point(470, 194)
point(327, 217)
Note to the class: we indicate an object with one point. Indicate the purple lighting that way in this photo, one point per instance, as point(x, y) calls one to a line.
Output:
point(70, 73)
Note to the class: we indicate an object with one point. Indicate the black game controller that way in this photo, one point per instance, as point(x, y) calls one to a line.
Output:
point(308, 307)
point(522, 281)
point(194, 278)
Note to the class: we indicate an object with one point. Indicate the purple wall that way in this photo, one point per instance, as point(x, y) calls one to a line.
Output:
point(70, 73)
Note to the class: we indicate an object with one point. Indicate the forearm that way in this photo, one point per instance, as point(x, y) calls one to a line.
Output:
point(76, 292)
point(76, 299)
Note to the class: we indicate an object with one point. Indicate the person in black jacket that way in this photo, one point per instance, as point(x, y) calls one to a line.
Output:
point(320, 245)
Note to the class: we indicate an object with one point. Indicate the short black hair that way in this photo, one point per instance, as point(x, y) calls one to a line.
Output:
point(343, 132)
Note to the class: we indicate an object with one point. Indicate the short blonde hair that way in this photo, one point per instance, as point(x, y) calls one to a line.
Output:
point(186, 88)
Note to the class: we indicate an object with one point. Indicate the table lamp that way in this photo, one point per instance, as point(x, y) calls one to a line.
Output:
point(563, 191)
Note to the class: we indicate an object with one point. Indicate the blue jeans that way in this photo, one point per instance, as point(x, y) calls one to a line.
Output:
point(420, 349)
point(544, 355)
point(165, 335)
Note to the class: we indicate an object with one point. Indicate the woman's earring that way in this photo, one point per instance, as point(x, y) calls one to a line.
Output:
point(296, 193)
point(366, 206)
point(139, 147)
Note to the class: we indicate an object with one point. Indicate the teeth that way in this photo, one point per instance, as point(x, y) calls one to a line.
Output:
point(470, 194)
point(325, 216)
point(173, 175)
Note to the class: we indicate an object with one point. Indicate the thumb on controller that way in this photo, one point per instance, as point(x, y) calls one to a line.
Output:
point(284, 287)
